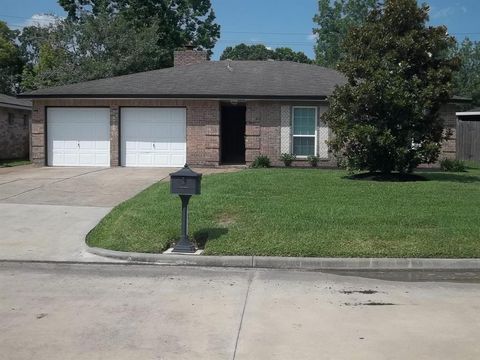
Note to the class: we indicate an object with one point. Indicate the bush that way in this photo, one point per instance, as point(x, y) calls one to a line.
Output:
point(313, 160)
point(287, 159)
point(261, 161)
point(452, 165)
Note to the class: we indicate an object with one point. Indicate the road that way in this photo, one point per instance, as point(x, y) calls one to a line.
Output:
point(88, 311)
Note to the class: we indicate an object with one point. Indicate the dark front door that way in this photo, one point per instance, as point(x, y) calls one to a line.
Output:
point(232, 129)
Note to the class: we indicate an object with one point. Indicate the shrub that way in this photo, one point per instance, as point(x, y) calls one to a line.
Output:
point(287, 159)
point(261, 161)
point(313, 160)
point(452, 165)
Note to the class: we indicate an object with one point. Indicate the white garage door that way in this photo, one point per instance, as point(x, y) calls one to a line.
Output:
point(153, 137)
point(78, 136)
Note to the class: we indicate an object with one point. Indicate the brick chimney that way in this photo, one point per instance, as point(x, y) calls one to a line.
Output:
point(189, 56)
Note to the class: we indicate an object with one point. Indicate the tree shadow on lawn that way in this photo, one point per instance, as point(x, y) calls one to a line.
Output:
point(453, 177)
point(393, 177)
point(426, 176)
point(201, 236)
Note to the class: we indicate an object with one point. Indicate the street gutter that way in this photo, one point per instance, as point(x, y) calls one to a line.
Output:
point(296, 263)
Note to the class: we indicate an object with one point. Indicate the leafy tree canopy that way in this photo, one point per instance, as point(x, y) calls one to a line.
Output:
point(334, 19)
point(96, 47)
point(467, 80)
point(11, 62)
point(261, 52)
point(399, 73)
point(179, 21)
point(103, 38)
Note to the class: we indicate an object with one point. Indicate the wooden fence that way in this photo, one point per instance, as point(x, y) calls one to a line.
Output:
point(468, 138)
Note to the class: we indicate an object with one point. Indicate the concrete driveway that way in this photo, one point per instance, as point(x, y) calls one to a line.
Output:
point(45, 213)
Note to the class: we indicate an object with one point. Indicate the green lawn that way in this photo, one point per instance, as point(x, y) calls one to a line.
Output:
point(13, 162)
point(306, 212)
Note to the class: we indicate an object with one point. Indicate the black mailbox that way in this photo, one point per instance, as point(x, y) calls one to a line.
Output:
point(185, 182)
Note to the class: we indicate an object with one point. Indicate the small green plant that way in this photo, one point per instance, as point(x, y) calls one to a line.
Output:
point(452, 165)
point(287, 159)
point(261, 161)
point(313, 160)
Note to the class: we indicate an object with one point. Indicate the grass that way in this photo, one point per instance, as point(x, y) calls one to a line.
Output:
point(307, 212)
point(13, 162)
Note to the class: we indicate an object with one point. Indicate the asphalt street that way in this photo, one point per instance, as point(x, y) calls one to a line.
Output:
point(94, 311)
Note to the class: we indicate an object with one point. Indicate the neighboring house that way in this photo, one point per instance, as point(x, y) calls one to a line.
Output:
point(468, 135)
point(201, 112)
point(15, 117)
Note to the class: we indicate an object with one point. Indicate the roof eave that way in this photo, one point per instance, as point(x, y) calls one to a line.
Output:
point(15, 106)
point(172, 96)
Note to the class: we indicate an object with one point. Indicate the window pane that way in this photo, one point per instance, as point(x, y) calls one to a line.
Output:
point(304, 121)
point(304, 146)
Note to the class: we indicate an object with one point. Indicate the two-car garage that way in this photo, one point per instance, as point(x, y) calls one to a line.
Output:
point(149, 137)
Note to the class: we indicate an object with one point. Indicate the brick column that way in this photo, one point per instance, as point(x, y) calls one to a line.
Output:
point(114, 136)
point(38, 148)
point(252, 133)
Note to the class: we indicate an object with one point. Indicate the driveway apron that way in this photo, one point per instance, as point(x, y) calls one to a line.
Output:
point(45, 213)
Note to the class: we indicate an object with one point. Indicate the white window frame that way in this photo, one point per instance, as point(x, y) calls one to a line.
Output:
point(306, 136)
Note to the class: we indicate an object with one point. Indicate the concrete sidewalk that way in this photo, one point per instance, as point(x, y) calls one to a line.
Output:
point(59, 311)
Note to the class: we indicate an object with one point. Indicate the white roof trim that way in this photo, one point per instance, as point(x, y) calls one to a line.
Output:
point(471, 113)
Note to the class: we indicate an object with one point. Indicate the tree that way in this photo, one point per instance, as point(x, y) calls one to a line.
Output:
point(399, 72)
point(11, 62)
point(91, 48)
point(467, 80)
point(334, 19)
point(261, 52)
point(179, 22)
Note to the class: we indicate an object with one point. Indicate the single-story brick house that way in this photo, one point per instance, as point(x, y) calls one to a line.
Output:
point(202, 112)
point(15, 117)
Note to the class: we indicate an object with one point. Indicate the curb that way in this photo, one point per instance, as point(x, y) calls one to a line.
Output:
point(295, 263)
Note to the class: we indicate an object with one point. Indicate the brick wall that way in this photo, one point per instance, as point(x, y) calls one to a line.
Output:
point(447, 112)
point(202, 126)
point(189, 57)
point(14, 133)
point(263, 131)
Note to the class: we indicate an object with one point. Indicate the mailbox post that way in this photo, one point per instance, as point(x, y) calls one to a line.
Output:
point(185, 183)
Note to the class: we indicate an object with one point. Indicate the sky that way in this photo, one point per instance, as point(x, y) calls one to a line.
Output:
point(273, 23)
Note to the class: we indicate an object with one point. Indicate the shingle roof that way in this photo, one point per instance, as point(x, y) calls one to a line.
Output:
point(12, 102)
point(212, 79)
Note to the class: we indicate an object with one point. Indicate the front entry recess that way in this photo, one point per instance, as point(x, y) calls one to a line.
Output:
point(232, 132)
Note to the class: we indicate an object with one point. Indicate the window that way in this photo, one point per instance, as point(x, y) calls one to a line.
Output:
point(11, 118)
point(304, 131)
point(25, 121)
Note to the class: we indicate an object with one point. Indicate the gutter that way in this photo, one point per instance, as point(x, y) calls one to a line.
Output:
point(471, 113)
point(173, 97)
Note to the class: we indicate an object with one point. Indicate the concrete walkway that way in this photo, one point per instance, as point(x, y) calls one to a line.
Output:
point(45, 213)
point(58, 311)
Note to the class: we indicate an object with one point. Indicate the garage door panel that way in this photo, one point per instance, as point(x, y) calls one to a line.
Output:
point(153, 137)
point(180, 147)
point(162, 158)
point(178, 159)
point(145, 159)
point(78, 136)
point(144, 146)
point(161, 146)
